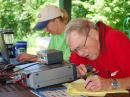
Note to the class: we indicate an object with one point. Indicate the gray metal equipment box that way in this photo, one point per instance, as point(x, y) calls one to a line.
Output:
point(50, 56)
point(45, 75)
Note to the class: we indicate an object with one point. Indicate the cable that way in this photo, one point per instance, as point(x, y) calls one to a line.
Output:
point(6, 74)
point(10, 67)
point(26, 67)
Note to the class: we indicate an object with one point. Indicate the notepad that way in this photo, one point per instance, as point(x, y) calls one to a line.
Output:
point(77, 88)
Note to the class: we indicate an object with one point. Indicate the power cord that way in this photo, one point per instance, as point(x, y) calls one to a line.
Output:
point(7, 73)
point(10, 67)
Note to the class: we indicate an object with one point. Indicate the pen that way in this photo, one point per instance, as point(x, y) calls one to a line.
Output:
point(90, 72)
point(87, 75)
point(88, 83)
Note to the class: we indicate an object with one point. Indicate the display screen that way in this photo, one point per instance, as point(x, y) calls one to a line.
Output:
point(3, 50)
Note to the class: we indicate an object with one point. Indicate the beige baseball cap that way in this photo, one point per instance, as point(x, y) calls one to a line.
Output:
point(46, 14)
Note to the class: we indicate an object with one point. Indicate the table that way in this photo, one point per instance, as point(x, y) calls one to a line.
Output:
point(14, 90)
point(116, 95)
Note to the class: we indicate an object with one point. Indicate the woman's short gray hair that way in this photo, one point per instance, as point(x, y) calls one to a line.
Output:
point(82, 26)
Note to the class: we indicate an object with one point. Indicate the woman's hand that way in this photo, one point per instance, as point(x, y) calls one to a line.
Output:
point(27, 57)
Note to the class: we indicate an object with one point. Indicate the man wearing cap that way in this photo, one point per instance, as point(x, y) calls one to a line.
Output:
point(53, 20)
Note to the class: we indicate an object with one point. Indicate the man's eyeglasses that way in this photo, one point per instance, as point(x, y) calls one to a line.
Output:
point(78, 49)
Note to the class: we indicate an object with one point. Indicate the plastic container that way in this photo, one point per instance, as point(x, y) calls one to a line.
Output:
point(20, 47)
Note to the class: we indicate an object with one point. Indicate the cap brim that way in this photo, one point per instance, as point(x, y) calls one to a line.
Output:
point(41, 25)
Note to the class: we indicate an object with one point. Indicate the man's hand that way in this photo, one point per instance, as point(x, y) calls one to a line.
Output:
point(97, 83)
point(81, 69)
point(84, 69)
point(27, 57)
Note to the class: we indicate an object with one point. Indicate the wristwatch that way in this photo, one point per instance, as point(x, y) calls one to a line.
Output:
point(114, 84)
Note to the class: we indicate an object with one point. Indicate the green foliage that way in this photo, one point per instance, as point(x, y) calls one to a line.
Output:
point(15, 16)
point(78, 10)
point(113, 12)
point(20, 15)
